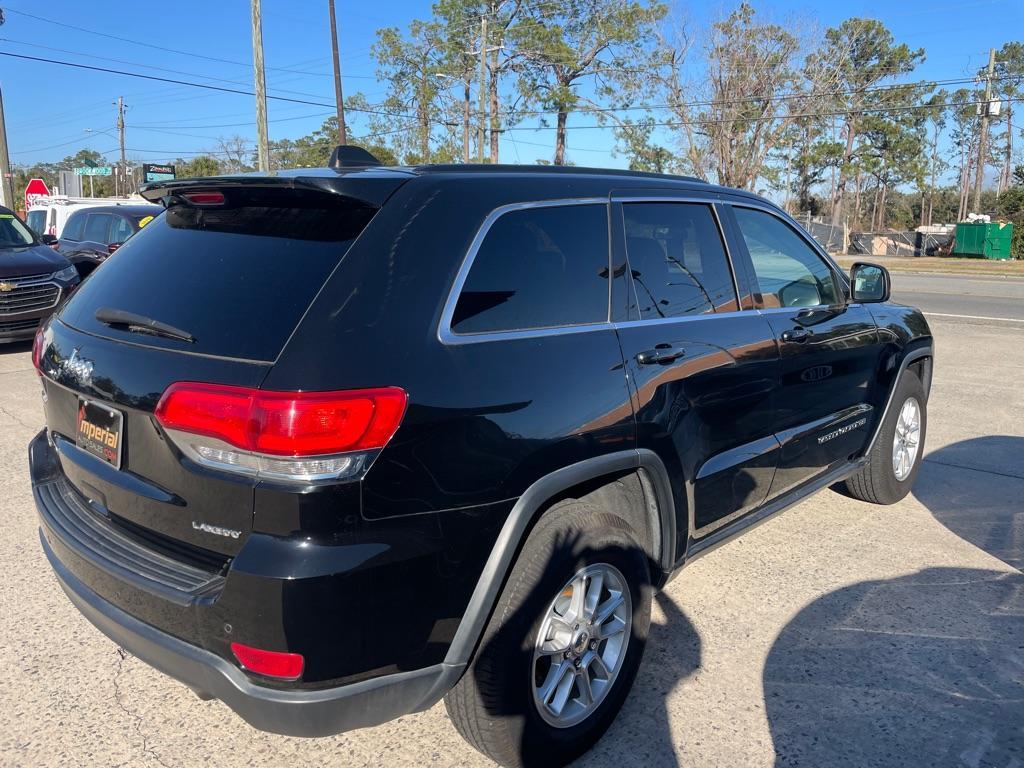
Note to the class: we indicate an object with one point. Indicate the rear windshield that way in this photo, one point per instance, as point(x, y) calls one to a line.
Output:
point(236, 278)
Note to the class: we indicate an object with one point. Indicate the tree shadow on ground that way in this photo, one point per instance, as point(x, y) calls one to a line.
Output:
point(926, 669)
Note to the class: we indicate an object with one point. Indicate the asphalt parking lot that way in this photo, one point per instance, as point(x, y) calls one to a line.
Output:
point(838, 634)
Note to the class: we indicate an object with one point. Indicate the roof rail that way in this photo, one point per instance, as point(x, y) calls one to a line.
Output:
point(351, 156)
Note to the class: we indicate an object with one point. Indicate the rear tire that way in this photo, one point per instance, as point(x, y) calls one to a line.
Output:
point(497, 705)
point(887, 478)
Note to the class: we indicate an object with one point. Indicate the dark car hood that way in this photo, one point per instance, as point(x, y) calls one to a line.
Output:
point(34, 260)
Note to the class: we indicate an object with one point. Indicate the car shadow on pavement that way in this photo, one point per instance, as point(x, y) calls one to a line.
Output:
point(925, 669)
point(642, 733)
point(15, 347)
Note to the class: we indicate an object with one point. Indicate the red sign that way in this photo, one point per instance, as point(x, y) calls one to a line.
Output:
point(35, 189)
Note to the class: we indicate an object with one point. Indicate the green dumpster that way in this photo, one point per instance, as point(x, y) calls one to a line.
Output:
point(988, 241)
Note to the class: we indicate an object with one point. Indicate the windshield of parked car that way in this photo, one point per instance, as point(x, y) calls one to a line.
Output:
point(14, 234)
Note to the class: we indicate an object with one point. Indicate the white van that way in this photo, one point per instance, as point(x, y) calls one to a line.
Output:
point(48, 215)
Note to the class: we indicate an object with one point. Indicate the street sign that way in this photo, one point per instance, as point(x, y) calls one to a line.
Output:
point(99, 170)
point(154, 172)
point(35, 189)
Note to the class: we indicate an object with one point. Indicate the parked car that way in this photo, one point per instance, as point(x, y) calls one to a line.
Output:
point(92, 234)
point(48, 215)
point(330, 445)
point(33, 279)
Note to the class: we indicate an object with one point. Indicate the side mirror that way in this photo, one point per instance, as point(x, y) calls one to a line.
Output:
point(50, 240)
point(113, 247)
point(869, 283)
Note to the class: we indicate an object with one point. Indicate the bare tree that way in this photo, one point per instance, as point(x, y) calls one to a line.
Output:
point(236, 153)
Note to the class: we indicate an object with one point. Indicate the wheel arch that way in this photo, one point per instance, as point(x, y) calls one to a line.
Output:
point(917, 358)
point(590, 478)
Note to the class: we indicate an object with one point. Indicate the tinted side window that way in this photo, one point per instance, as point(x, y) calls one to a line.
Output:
point(74, 226)
point(677, 260)
point(538, 268)
point(788, 270)
point(121, 230)
point(97, 225)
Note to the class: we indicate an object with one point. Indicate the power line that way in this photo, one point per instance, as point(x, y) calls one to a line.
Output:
point(243, 92)
point(152, 46)
point(206, 86)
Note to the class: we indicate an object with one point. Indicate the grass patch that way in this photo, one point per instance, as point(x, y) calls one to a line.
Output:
point(949, 266)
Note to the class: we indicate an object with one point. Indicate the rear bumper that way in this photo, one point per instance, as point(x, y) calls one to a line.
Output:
point(95, 568)
point(293, 713)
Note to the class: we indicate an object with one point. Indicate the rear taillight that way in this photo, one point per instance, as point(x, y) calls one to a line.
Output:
point(38, 343)
point(301, 436)
point(283, 666)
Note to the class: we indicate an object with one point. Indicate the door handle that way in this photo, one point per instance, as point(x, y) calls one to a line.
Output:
point(797, 335)
point(661, 354)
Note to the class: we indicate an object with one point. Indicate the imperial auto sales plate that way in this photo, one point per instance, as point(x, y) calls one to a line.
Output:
point(99, 431)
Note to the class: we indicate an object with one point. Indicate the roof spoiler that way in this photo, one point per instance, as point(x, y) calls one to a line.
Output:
point(351, 156)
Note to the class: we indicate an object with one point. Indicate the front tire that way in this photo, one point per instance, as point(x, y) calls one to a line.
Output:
point(895, 458)
point(562, 649)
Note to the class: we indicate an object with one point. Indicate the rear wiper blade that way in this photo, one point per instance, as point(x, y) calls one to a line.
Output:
point(141, 324)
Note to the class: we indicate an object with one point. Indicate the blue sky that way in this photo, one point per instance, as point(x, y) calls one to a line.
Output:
point(54, 111)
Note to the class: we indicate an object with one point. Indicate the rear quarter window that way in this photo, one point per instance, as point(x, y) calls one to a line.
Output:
point(544, 267)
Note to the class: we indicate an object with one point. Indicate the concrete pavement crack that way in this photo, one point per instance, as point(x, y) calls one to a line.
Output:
point(15, 419)
point(973, 469)
point(146, 749)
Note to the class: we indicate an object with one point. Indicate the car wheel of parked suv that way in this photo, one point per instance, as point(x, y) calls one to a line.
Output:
point(563, 646)
point(895, 458)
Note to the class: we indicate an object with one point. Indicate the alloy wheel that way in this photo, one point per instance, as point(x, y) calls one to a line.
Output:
point(907, 439)
point(581, 645)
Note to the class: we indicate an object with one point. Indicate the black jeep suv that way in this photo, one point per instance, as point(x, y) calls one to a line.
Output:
point(330, 445)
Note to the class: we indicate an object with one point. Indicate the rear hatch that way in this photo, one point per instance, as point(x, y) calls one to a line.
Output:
point(235, 274)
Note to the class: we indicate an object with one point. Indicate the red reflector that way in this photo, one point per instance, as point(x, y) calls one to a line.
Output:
point(205, 198)
point(37, 350)
point(284, 423)
point(284, 666)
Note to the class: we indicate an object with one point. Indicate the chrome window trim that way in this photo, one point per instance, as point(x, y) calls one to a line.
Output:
point(683, 318)
point(838, 276)
point(447, 336)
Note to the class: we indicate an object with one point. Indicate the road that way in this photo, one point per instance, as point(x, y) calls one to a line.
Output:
point(839, 633)
point(961, 295)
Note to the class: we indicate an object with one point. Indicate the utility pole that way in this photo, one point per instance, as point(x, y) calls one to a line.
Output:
point(983, 138)
point(342, 134)
point(483, 89)
point(120, 138)
point(6, 182)
point(262, 140)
